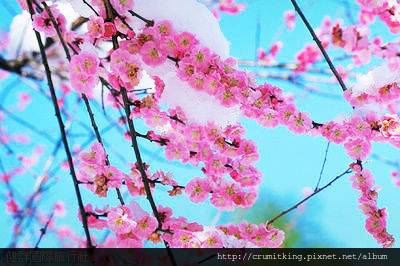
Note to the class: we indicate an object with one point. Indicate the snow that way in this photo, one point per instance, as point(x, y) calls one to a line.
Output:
point(81, 8)
point(198, 106)
point(66, 8)
point(375, 79)
point(22, 37)
point(365, 109)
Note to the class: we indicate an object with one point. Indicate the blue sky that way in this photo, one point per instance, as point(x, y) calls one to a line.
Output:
point(289, 162)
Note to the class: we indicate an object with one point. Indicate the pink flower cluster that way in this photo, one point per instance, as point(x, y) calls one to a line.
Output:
point(95, 171)
point(131, 224)
point(193, 235)
point(260, 235)
point(387, 10)
point(122, 6)
point(290, 19)
point(357, 133)
point(42, 22)
point(205, 71)
point(310, 53)
point(376, 218)
point(269, 58)
point(97, 28)
point(390, 126)
point(84, 72)
point(223, 152)
point(230, 6)
point(385, 95)
point(355, 41)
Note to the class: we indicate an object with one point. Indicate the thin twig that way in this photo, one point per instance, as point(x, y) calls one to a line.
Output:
point(28, 125)
point(318, 42)
point(308, 197)
point(323, 167)
point(148, 22)
point(62, 129)
point(91, 7)
point(44, 229)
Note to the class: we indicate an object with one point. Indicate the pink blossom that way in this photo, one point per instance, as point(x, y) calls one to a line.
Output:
point(290, 19)
point(96, 156)
point(164, 27)
point(390, 126)
point(95, 27)
point(121, 6)
point(229, 6)
point(213, 240)
point(109, 30)
point(43, 23)
point(151, 54)
point(275, 238)
point(357, 149)
point(119, 220)
point(181, 239)
point(185, 41)
point(363, 180)
point(221, 201)
point(83, 70)
point(374, 225)
point(198, 189)
point(145, 226)
point(12, 206)
point(113, 175)
point(59, 209)
point(360, 127)
point(300, 123)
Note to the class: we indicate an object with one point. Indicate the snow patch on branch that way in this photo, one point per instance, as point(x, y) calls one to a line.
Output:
point(198, 106)
point(375, 79)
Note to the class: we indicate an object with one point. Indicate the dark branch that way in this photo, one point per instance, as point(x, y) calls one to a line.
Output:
point(308, 197)
point(318, 42)
point(62, 129)
point(323, 167)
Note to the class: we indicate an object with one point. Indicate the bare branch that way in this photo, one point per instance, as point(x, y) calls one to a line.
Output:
point(323, 167)
point(308, 197)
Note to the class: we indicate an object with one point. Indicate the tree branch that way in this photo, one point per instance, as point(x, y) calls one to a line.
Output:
point(323, 167)
point(308, 197)
point(85, 99)
point(44, 229)
point(318, 42)
point(135, 147)
point(62, 129)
